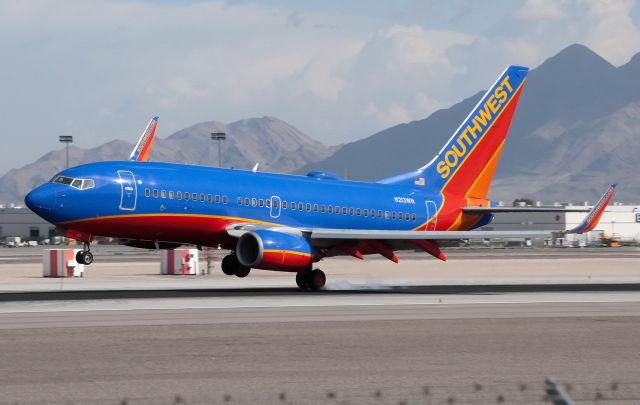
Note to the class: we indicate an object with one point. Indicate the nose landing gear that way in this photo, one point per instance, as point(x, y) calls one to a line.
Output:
point(85, 256)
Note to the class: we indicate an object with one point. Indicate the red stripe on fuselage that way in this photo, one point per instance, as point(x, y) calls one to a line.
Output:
point(198, 230)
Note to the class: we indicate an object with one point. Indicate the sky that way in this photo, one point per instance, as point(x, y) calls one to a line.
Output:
point(338, 71)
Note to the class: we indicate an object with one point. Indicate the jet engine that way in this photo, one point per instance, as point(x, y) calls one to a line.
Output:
point(273, 250)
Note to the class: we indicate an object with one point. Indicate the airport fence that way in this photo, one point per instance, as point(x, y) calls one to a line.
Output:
point(617, 393)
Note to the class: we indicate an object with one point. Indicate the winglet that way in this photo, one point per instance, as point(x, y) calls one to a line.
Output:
point(141, 152)
point(594, 215)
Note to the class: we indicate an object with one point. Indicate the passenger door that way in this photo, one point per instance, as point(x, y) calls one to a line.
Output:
point(275, 207)
point(129, 190)
point(432, 211)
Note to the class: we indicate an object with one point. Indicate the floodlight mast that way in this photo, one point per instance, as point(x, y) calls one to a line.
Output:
point(219, 136)
point(66, 139)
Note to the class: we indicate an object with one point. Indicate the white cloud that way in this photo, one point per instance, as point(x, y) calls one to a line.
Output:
point(100, 68)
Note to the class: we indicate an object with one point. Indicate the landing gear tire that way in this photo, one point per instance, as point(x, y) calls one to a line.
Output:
point(230, 265)
point(302, 280)
point(242, 271)
point(317, 279)
point(84, 257)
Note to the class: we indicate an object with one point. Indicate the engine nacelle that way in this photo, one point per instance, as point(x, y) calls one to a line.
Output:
point(273, 250)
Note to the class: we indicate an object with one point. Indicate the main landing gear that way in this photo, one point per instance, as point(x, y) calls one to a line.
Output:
point(85, 256)
point(232, 267)
point(311, 279)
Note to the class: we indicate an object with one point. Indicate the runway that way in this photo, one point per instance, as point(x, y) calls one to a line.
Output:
point(214, 340)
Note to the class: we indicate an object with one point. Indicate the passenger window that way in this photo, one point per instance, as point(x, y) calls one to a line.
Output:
point(330, 209)
point(247, 201)
point(261, 203)
point(284, 205)
point(155, 193)
point(217, 199)
point(386, 215)
point(315, 207)
point(393, 215)
point(224, 199)
point(194, 197)
point(209, 198)
point(239, 200)
point(293, 206)
point(379, 213)
point(179, 195)
point(163, 194)
point(358, 212)
point(254, 202)
point(171, 195)
point(406, 216)
point(186, 196)
point(337, 209)
point(201, 197)
point(413, 217)
point(322, 208)
point(344, 210)
point(300, 207)
point(351, 211)
point(147, 192)
point(308, 207)
point(267, 203)
point(366, 212)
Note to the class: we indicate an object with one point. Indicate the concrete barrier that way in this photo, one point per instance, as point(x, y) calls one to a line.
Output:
point(179, 261)
point(61, 263)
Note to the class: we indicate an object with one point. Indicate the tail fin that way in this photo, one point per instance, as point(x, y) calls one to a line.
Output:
point(465, 165)
point(592, 218)
point(141, 151)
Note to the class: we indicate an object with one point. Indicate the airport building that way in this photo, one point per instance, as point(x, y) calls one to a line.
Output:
point(22, 223)
point(619, 224)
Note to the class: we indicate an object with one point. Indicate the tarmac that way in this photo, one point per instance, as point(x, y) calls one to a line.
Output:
point(421, 331)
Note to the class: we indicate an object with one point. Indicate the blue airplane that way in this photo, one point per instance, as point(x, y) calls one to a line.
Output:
point(287, 223)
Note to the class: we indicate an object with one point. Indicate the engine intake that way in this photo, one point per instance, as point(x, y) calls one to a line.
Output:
point(272, 250)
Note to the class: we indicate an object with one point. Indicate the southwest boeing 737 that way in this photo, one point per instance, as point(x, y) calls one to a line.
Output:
point(285, 222)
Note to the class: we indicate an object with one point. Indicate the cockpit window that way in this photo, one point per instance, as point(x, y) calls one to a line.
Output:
point(80, 184)
point(62, 180)
point(87, 184)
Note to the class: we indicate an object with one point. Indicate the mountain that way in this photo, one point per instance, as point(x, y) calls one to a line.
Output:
point(576, 129)
point(276, 145)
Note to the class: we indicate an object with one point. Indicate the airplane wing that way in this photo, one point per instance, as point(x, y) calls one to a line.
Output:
point(141, 151)
point(480, 210)
point(354, 241)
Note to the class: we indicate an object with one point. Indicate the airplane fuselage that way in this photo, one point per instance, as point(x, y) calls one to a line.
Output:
point(195, 204)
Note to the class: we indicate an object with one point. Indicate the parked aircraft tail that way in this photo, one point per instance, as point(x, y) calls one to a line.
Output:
point(591, 220)
point(141, 151)
point(465, 165)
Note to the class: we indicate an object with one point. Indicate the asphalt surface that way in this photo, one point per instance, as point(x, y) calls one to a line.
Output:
point(480, 333)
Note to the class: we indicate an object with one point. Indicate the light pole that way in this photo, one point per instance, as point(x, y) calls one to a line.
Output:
point(219, 136)
point(66, 139)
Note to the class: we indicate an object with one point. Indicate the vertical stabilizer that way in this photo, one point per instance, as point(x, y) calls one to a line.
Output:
point(465, 165)
point(141, 151)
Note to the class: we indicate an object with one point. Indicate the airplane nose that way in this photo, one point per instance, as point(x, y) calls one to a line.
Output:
point(40, 200)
